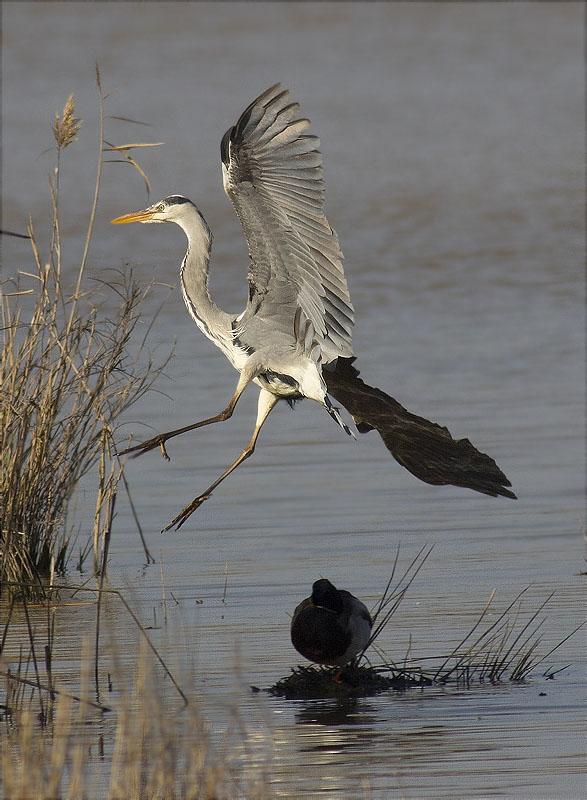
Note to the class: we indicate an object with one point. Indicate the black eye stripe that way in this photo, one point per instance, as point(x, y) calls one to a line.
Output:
point(175, 200)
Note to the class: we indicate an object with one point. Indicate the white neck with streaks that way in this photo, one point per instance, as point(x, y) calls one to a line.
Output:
point(194, 275)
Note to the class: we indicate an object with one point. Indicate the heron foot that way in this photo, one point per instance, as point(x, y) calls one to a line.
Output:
point(186, 513)
point(144, 447)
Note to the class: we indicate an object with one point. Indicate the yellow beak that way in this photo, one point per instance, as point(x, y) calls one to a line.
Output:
point(134, 216)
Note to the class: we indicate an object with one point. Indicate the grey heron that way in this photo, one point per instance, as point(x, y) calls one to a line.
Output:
point(294, 337)
point(331, 626)
point(299, 315)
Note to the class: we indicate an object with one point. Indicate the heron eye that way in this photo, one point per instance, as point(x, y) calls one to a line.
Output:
point(161, 207)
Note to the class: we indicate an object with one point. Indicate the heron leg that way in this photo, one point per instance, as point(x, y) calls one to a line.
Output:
point(264, 407)
point(161, 438)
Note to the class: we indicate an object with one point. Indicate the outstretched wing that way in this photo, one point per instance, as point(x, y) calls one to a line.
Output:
point(272, 173)
point(424, 448)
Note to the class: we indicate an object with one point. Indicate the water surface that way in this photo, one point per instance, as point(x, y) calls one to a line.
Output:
point(453, 144)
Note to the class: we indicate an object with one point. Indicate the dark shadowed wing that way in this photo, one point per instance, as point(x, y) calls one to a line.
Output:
point(424, 448)
point(272, 174)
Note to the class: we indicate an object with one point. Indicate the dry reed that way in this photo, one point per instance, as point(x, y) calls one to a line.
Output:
point(67, 376)
point(153, 751)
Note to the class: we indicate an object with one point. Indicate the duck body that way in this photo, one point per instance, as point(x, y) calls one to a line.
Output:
point(331, 626)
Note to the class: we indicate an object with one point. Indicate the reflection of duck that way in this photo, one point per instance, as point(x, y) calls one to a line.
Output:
point(331, 626)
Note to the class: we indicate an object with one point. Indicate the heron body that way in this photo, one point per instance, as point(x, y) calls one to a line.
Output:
point(298, 319)
point(331, 626)
point(263, 343)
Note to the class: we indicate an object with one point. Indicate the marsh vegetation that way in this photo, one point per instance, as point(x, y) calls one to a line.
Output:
point(73, 361)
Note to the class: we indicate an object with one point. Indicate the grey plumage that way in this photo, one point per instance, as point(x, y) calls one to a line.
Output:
point(273, 175)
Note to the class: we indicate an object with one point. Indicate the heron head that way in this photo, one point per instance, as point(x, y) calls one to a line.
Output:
point(169, 209)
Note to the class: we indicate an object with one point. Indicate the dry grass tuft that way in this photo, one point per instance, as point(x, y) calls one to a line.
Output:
point(67, 376)
point(151, 750)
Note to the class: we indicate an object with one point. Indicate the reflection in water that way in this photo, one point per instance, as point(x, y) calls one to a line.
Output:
point(413, 740)
point(353, 711)
point(333, 740)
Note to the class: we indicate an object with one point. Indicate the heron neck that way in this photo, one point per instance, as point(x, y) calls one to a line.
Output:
point(194, 277)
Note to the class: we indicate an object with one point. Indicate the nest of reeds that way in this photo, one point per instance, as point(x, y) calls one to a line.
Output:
point(355, 680)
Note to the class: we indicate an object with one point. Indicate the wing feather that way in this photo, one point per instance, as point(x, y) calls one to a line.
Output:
point(278, 135)
point(273, 176)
